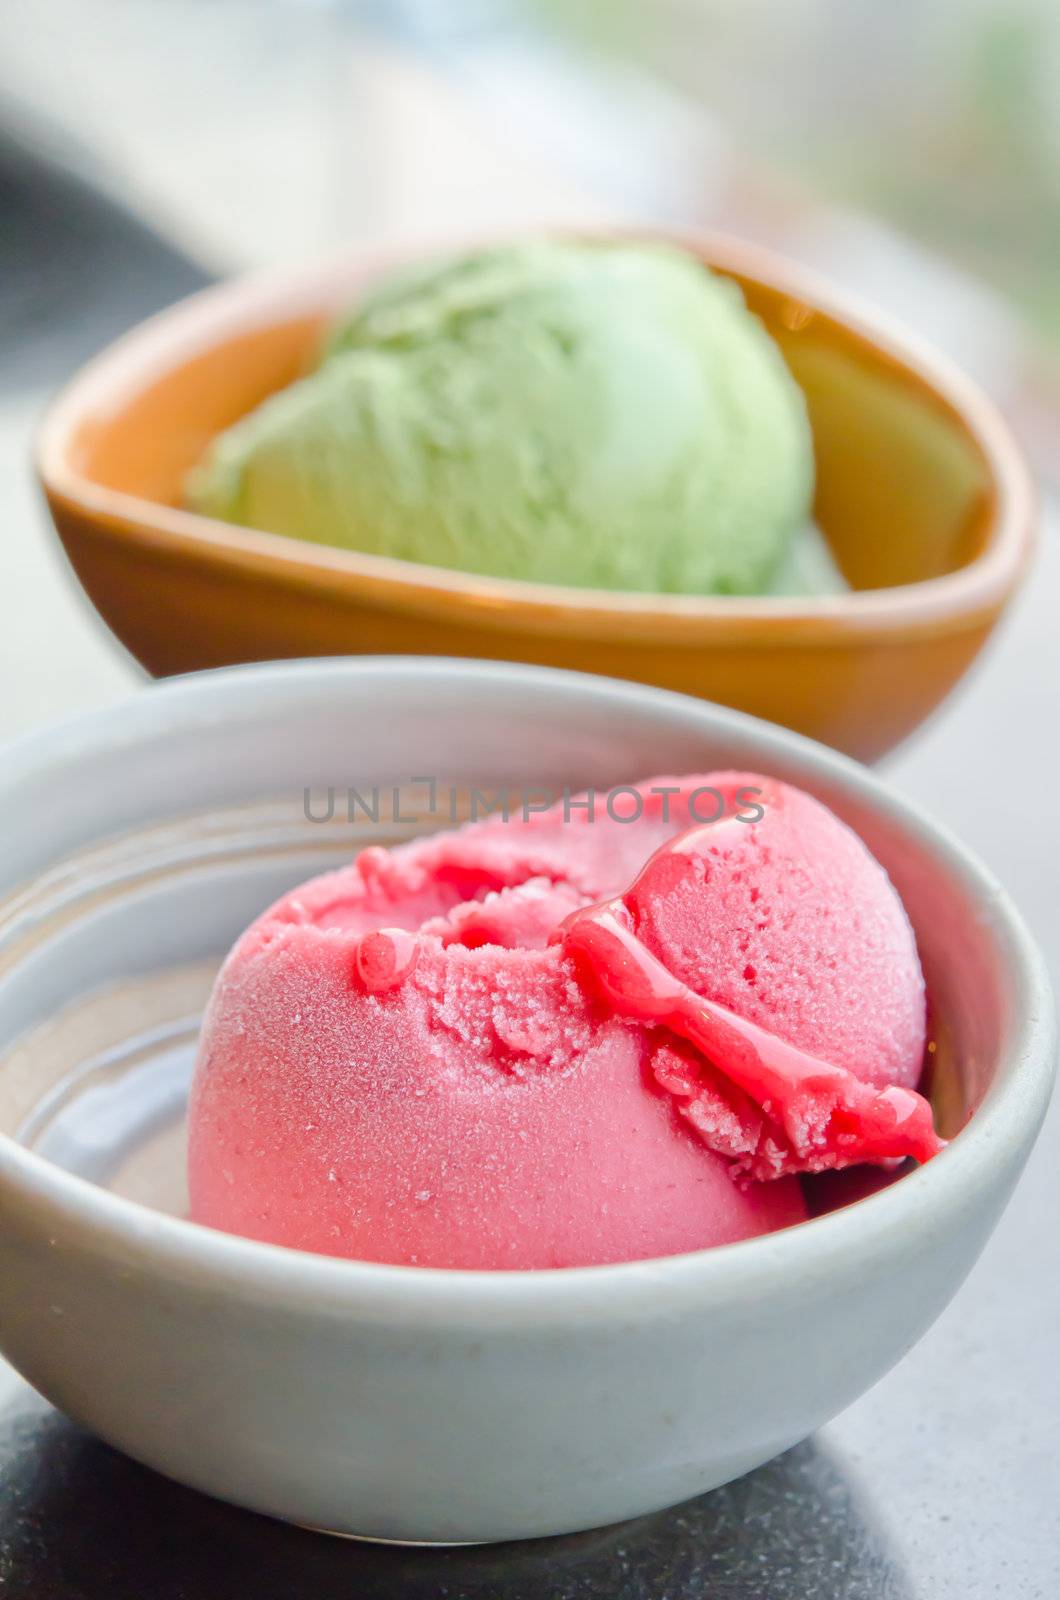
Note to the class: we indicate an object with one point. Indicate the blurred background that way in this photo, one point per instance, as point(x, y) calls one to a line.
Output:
point(912, 147)
point(910, 151)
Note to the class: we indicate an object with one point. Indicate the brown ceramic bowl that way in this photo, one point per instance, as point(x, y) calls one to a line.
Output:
point(922, 494)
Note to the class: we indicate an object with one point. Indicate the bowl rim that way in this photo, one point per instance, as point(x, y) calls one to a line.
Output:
point(172, 336)
point(849, 1241)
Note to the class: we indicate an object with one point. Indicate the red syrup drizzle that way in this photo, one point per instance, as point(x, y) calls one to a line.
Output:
point(782, 1110)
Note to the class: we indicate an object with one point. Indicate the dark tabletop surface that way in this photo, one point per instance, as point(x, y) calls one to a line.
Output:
point(943, 1482)
point(78, 1520)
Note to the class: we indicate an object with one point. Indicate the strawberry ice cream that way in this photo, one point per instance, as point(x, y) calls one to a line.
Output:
point(565, 1039)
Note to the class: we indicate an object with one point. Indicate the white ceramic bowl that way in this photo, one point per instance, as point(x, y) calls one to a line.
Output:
point(419, 1404)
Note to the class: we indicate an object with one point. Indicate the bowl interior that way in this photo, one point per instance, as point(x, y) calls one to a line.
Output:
point(198, 817)
point(904, 492)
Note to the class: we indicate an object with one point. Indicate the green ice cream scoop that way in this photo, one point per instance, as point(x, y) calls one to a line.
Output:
point(601, 415)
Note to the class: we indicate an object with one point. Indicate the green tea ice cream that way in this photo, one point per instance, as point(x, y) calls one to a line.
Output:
point(604, 415)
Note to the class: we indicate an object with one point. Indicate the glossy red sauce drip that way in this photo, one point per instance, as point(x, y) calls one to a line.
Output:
point(796, 1113)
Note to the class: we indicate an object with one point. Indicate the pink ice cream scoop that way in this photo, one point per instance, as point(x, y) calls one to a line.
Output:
point(564, 1040)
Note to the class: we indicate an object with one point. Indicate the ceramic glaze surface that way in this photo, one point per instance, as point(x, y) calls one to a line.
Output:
point(380, 1400)
point(921, 494)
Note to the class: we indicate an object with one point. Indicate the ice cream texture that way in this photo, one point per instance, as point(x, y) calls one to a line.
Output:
point(603, 415)
point(564, 1039)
